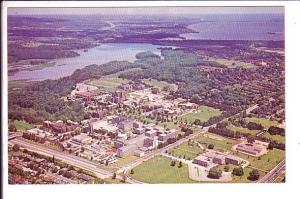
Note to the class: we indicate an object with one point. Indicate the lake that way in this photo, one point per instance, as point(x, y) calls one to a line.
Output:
point(99, 55)
point(238, 27)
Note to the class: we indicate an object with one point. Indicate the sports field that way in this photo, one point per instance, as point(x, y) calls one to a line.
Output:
point(203, 113)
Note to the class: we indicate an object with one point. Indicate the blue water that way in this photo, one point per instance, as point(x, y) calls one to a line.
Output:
point(98, 55)
point(238, 27)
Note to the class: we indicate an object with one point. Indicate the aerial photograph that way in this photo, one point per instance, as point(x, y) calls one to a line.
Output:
point(146, 95)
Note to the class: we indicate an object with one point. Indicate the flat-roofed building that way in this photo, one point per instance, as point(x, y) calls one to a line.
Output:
point(230, 159)
point(218, 159)
point(139, 130)
point(173, 133)
point(129, 146)
point(82, 139)
point(202, 161)
point(254, 150)
point(139, 153)
point(126, 150)
point(151, 133)
point(187, 105)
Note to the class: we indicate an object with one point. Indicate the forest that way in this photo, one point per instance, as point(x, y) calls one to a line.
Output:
point(43, 100)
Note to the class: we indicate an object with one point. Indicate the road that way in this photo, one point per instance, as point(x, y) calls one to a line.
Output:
point(133, 164)
point(273, 174)
point(94, 167)
point(70, 159)
point(13, 135)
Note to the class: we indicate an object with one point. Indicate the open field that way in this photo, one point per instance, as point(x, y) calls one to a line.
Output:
point(267, 162)
point(22, 125)
point(224, 144)
point(158, 170)
point(113, 181)
point(233, 63)
point(160, 84)
point(123, 161)
point(277, 138)
point(266, 123)
point(242, 130)
point(109, 83)
point(185, 150)
point(202, 113)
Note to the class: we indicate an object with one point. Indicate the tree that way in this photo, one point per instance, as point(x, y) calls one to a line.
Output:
point(124, 178)
point(214, 173)
point(12, 127)
point(180, 164)
point(195, 99)
point(271, 146)
point(131, 171)
point(210, 146)
point(173, 163)
point(254, 126)
point(226, 168)
point(114, 176)
point(274, 130)
point(253, 175)
point(238, 171)
point(16, 147)
point(250, 139)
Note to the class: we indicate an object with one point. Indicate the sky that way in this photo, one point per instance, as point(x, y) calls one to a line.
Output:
point(149, 10)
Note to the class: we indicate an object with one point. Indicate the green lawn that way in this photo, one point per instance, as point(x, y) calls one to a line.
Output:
point(203, 113)
point(109, 83)
point(117, 165)
point(277, 138)
point(243, 179)
point(22, 125)
point(113, 181)
point(242, 130)
point(224, 144)
point(239, 179)
point(266, 123)
point(160, 84)
point(233, 63)
point(189, 151)
point(158, 170)
point(267, 162)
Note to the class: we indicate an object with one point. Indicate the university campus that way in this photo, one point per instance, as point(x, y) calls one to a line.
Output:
point(146, 98)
